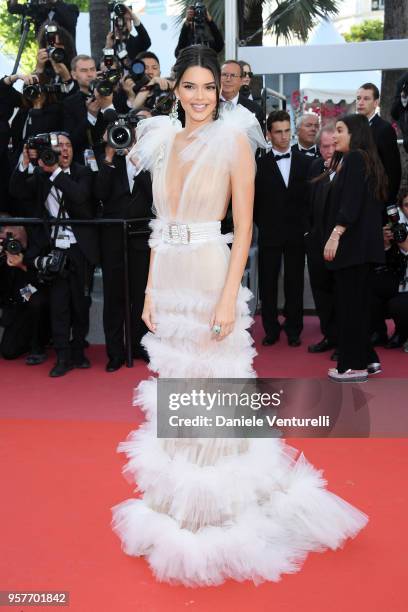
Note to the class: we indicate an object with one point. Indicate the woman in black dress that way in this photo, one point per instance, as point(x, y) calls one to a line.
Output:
point(353, 225)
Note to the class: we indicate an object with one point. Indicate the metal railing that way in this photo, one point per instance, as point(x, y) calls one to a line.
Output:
point(13, 221)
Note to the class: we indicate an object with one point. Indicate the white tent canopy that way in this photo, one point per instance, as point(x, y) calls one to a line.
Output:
point(334, 86)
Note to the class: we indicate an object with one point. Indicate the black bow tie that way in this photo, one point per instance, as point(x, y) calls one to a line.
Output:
point(309, 150)
point(285, 156)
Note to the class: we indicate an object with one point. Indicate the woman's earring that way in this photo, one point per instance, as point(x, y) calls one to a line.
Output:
point(174, 111)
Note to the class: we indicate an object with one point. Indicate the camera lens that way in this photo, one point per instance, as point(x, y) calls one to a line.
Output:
point(121, 136)
point(104, 88)
point(48, 157)
point(57, 55)
point(31, 92)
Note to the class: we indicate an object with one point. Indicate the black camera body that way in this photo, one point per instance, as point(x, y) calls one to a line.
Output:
point(120, 130)
point(200, 14)
point(34, 91)
point(56, 54)
point(106, 82)
point(44, 143)
point(399, 230)
point(55, 264)
point(11, 245)
point(117, 8)
point(137, 73)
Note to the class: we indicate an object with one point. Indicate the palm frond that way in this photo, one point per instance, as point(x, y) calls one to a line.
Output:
point(214, 7)
point(298, 17)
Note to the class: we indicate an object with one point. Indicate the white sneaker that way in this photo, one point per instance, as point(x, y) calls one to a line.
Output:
point(374, 368)
point(348, 376)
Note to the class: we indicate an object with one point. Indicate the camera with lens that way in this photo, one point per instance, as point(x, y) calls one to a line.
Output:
point(138, 75)
point(120, 129)
point(103, 85)
point(34, 91)
point(11, 245)
point(200, 14)
point(56, 54)
point(55, 264)
point(118, 8)
point(44, 144)
point(399, 230)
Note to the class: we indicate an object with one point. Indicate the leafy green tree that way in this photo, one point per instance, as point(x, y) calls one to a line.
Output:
point(370, 29)
point(10, 36)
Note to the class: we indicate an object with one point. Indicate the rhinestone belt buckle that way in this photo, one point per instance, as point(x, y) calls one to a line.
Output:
point(178, 234)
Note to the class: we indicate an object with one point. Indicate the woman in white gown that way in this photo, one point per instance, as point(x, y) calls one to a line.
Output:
point(211, 509)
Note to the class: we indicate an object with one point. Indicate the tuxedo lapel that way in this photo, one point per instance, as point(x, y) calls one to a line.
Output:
point(276, 173)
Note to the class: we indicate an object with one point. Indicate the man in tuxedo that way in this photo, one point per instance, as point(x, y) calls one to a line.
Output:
point(83, 112)
point(307, 129)
point(125, 195)
point(385, 138)
point(321, 279)
point(62, 190)
point(231, 81)
point(281, 211)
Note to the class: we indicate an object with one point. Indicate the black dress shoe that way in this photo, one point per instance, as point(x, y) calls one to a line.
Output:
point(269, 340)
point(394, 342)
point(82, 364)
point(335, 355)
point(294, 341)
point(114, 364)
point(378, 339)
point(61, 368)
point(36, 358)
point(320, 347)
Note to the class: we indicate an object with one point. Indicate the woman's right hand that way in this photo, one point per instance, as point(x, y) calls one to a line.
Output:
point(42, 57)
point(148, 314)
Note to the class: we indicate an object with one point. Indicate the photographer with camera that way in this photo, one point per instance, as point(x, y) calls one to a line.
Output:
point(64, 14)
point(125, 195)
point(54, 57)
point(65, 255)
point(120, 38)
point(149, 87)
point(83, 111)
point(390, 291)
point(399, 109)
point(23, 301)
point(38, 109)
point(199, 28)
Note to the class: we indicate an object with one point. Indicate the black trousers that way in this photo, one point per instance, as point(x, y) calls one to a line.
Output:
point(322, 285)
point(113, 290)
point(27, 327)
point(70, 303)
point(270, 260)
point(353, 299)
point(397, 309)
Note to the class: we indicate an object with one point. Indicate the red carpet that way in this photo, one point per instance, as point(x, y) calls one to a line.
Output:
point(61, 475)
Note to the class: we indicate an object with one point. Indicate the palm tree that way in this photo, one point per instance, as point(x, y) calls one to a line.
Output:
point(98, 25)
point(290, 18)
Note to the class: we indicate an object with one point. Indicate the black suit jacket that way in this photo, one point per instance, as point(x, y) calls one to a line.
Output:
point(111, 186)
point(280, 212)
point(83, 134)
point(351, 203)
point(385, 139)
point(318, 197)
point(253, 107)
point(315, 155)
point(41, 120)
point(76, 188)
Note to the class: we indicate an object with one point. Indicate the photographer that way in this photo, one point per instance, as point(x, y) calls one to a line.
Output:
point(38, 110)
point(64, 256)
point(399, 109)
point(125, 195)
point(55, 54)
point(63, 13)
point(83, 111)
point(390, 290)
point(24, 302)
point(199, 28)
point(148, 85)
point(126, 45)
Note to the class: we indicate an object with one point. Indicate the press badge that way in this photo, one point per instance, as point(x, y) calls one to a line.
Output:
point(63, 241)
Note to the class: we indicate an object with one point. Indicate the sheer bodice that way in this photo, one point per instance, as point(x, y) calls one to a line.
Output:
point(201, 169)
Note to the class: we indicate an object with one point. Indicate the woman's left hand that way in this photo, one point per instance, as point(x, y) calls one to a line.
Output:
point(330, 249)
point(224, 316)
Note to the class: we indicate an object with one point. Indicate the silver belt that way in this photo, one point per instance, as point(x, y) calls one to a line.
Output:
point(186, 233)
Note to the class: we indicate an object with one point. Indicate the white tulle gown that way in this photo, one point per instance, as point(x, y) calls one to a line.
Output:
point(212, 509)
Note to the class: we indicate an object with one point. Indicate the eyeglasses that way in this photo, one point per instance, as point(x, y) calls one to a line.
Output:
point(228, 75)
point(248, 74)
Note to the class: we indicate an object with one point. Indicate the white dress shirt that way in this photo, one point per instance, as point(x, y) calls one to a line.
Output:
point(52, 204)
point(234, 101)
point(284, 164)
